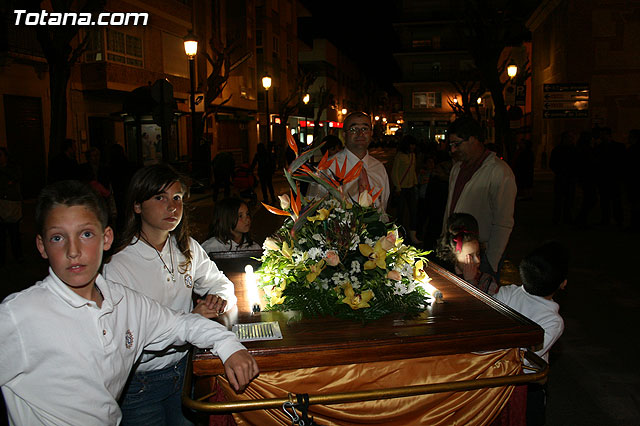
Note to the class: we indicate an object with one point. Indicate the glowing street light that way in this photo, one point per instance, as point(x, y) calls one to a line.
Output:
point(344, 111)
point(512, 70)
point(191, 45)
point(266, 83)
point(306, 100)
point(191, 49)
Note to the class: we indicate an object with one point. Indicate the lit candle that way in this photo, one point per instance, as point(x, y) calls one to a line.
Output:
point(251, 287)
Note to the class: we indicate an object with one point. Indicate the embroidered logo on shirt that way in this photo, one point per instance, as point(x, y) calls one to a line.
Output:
point(188, 281)
point(128, 339)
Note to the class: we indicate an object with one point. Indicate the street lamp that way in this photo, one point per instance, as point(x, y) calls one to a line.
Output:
point(191, 49)
point(344, 111)
point(512, 70)
point(266, 83)
point(306, 100)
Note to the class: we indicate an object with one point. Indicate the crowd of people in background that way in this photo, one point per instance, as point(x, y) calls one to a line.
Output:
point(591, 169)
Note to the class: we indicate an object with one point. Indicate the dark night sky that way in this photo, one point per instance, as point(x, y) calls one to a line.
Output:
point(361, 29)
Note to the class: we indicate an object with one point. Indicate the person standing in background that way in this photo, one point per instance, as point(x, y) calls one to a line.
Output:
point(484, 186)
point(265, 164)
point(65, 165)
point(563, 164)
point(10, 207)
point(403, 176)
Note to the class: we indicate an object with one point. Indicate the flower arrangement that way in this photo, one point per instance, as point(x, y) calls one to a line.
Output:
point(335, 256)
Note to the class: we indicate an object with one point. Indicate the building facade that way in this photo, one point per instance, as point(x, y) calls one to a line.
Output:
point(586, 43)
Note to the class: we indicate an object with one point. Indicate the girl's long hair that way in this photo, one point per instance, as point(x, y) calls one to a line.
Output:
point(146, 183)
point(225, 218)
point(461, 228)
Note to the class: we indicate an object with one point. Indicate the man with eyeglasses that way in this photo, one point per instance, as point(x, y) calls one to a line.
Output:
point(482, 185)
point(357, 131)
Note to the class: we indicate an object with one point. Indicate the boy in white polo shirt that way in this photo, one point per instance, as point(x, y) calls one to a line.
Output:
point(543, 272)
point(70, 341)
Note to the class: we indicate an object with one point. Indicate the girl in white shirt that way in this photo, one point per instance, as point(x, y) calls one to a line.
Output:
point(156, 256)
point(230, 228)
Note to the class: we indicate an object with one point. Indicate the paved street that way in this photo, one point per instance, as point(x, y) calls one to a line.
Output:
point(594, 377)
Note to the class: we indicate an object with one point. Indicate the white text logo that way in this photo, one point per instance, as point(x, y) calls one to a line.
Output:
point(73, 18)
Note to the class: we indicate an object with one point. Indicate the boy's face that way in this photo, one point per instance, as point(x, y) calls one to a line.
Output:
point(73, 241)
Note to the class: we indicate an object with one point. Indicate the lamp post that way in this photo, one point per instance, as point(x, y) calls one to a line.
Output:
point(306, 99)
point(266, 83)
point(191, 49)
point(512, 71)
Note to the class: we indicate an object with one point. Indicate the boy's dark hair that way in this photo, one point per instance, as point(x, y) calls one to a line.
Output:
point(225, 218)
point(544, 269)
point(69, 193)
point(465, 127)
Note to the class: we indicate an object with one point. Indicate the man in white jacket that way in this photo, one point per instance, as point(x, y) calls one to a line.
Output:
point(482, 185)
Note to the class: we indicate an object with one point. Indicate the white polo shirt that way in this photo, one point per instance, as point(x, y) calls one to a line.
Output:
point(64, 361)
point(139, 267)
point(537, 309)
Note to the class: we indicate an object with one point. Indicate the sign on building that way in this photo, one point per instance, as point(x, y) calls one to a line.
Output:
point(565, 100)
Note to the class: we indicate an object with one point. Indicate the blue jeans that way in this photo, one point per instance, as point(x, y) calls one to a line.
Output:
point(153, 398)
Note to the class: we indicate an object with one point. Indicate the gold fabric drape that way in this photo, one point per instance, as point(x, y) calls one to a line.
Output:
point(478, 407)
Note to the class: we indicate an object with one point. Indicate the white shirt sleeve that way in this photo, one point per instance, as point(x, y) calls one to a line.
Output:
point(165, 327)
point(208, 279)
point(12, 352)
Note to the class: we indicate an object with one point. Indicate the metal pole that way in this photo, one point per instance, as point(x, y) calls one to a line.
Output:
point(194, 125)
point(541, 370)
point(266, 98)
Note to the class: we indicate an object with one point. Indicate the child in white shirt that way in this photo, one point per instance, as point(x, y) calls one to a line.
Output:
point(156, 256)
point(543, 272)
point(230, 228)
point(69, 341)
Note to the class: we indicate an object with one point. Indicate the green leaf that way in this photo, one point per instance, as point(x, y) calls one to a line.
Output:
point(308, 212)
point(302, 158)
point(333, 191)
point(291, 181)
